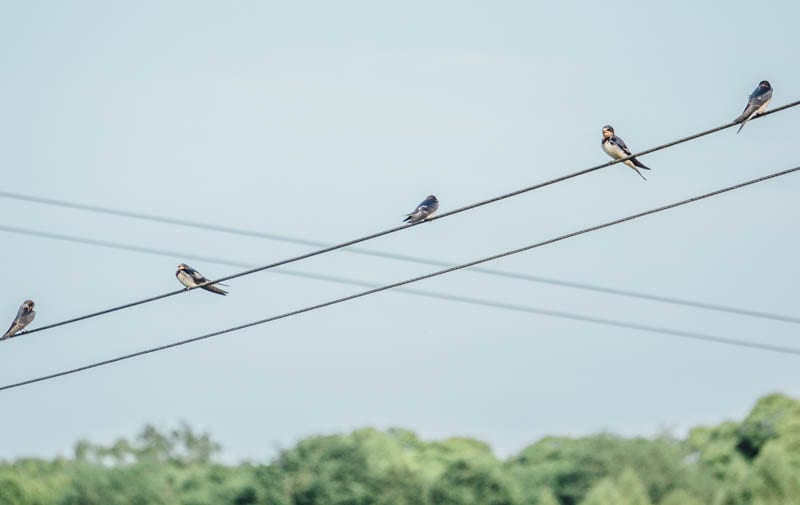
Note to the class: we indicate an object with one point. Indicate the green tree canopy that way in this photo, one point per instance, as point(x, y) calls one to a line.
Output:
point(752, 462)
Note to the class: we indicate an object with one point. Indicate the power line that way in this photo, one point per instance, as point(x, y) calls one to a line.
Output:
point(314, 243)
point(342, 280)
point(410, 291)
point(474, 301)
point(432, 262)
point(754, 345)
point(405, 226)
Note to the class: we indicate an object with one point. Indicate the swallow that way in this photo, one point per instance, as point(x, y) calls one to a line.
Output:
point(423, 210)
point(191, 278)
point(616, 148)
point(758, 101)
point(25, 315)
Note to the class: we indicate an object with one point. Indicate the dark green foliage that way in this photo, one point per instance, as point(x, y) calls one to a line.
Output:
point(755, 462)
point(11, 492)
point(467, 483)
point(365, 467)
point(570, 467)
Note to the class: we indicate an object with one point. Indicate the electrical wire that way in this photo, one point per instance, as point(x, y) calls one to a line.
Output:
point(419, 292)
point(315, 243)
point(774, 348)
point(184, 256)
point(407, 226)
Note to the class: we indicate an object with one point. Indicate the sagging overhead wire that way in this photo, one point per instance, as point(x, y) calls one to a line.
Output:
point(365, 238)
point(315, 243)
point(342, 280)
point(754, 345)
point(417, 292)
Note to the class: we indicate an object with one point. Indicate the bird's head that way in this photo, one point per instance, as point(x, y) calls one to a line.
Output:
point(28, 304)
point(432, 198)
point(608, 131)
point(182, 267)
point(764, 84)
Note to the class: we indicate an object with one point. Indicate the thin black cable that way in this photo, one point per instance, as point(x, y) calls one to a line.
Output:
point(473, 301)
point(315, 243)
point(779, 349)
point(159, 219)
point(501, 273)
point(406, 226)
point(411, 291)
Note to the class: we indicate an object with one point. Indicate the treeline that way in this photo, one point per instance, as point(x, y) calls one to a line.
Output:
point(753, 462)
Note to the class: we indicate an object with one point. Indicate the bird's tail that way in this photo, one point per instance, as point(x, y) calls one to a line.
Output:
point(745, 117)
point(640, 164)
point(640, 174)
point(215, 289)
point(742, 125)
point(11, 331)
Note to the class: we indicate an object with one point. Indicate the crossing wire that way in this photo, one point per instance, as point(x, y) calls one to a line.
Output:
point(754, 345)
point(435, 295)
point(407, 226)
point(184, 256)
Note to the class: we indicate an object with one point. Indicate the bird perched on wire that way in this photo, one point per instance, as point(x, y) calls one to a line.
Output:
point(616, 148)
point(25, 315)
point(191, 278)
point(423, 211)
point(758, 101)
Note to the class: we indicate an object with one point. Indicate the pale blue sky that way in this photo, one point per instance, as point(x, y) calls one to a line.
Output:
point(329, 121)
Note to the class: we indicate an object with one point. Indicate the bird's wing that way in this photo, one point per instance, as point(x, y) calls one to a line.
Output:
point(16, 326)
point(432, 205)
point(756, 100)
point(197, 276)
point(748, 110)
point(11, 330)
point(621, 144)
point(215, 289)
point(27, 318)
point(759, 99)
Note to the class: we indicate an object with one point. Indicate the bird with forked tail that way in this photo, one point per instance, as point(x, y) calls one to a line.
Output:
point(756, 103)
point(616, 148)
point(191, 278)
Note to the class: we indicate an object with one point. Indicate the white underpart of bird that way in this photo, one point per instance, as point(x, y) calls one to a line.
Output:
point(191, 278)
point(611, 146)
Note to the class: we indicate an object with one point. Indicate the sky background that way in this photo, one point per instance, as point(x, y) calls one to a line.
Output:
point(329, 121)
